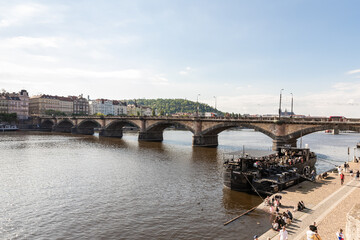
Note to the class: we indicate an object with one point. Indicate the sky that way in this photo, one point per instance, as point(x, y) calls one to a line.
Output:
point(239, 54)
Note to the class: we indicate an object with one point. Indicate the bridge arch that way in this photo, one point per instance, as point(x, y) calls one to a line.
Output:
point(64, 126)
point(154, 132)
point(47, 124)
point(215, 130)
point(87, 126)
point(306, 131)
point(115, 128)
point(162, 125)
point(119, 124)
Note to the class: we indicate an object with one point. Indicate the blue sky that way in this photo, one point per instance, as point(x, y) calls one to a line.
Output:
point(242, 52)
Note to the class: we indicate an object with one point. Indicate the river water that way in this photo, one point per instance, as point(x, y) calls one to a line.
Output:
point(63, 186)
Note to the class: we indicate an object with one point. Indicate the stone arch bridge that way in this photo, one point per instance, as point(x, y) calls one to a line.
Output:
point(205, 130)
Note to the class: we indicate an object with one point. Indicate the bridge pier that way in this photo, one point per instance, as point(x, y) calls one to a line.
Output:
point(61, 129)
point(279, 142)
point(74, 130)
point(151, 136)
point(118, 133)
point(205, 141)
point(84, 131)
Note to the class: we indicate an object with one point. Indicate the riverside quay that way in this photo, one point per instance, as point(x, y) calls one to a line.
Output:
point(285, 131)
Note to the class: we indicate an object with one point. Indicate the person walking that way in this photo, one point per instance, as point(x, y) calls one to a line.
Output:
point(340, 235)
point(339, 169)
point(342, 177)
point(345, 166)
point(283, 234)
point(313, 175)
point(357, 175)
point(310, 233)
point(289, 214)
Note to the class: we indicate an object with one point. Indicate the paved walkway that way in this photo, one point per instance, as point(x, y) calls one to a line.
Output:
point(322, 202)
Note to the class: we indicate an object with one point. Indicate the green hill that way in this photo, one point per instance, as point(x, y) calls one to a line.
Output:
point(171, 106)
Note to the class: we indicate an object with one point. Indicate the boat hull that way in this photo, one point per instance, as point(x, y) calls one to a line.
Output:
point(8, 128)
point(267, 181)
point(235, 180)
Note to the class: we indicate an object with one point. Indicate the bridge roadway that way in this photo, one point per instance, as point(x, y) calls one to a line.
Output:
point(205, 131)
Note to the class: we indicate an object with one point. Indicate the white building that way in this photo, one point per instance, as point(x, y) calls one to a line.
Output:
point(137, 110)
point(146, 111)
point(103, 106)
point(120, 108)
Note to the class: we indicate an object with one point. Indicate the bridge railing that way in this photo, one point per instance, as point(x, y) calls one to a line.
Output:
point(286, 119)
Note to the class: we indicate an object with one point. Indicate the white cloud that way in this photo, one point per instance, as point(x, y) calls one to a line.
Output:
point(354, 71)
point(24, 13)
point(243, 88)
point(344, 86)
point(186, 71)
point(159, 80)
point(30, 42)
point(21, 71)
point(341, 99)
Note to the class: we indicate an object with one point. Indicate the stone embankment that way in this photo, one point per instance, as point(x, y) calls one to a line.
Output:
point(327, 204)
point(353, 223)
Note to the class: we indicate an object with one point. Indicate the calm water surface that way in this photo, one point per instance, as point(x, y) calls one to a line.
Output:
point(63, 186)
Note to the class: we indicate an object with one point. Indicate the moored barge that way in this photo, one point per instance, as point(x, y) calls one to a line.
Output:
point(267, 172)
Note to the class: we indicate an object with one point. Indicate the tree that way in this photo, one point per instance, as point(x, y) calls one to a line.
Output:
point(54, 113)
point(8, 117)
point(171, 106)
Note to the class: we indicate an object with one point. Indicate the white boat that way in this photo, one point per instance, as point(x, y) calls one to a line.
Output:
point(6, 128)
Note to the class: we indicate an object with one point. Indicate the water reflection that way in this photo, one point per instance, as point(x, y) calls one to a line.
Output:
point(79, 187)
point(158, 147)
point(233, 200)
point(205, 154)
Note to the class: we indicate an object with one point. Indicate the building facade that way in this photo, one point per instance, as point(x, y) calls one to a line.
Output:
point(120, 108)
point(81, 105)
point(15, 103)
point(101, 106)
point(137, 110)
point(66, 105)
point(39, 105)
point(3, 104)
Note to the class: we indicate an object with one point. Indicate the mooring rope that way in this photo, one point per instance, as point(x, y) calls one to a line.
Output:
point(253, 186)
point(332, 163)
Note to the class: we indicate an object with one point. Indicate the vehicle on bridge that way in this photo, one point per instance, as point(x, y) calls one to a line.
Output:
point(267, 172)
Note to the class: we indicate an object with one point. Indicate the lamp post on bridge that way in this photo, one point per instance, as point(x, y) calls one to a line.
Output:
point(197, 108)
point(292, 105)
point(280, 103)
point(215, 102)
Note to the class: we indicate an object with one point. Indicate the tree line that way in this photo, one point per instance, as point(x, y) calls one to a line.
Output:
point(172, 106)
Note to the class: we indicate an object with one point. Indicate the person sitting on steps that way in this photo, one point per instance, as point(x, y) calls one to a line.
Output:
point(301, 206)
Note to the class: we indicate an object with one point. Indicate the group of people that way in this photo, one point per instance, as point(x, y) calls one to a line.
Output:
point(284, 157)
point(281, 220)
point(352, 173)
